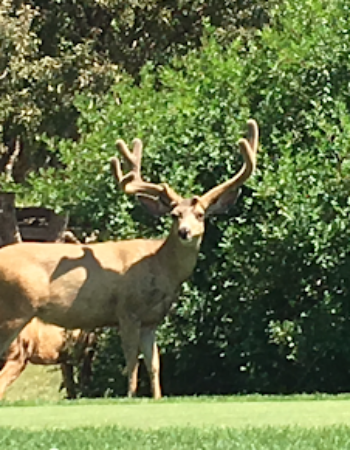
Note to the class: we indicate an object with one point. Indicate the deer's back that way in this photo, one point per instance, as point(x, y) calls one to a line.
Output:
point(73, 286)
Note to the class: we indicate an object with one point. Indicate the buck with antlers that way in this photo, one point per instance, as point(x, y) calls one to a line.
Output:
point(130, 283)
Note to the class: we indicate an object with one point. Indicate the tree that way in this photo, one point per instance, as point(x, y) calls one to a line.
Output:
point(53, 50)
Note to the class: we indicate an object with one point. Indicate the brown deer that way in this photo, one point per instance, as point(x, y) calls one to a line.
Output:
point(45, 344)
point(130, 283)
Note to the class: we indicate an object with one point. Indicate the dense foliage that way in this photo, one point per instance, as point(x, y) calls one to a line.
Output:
point(53, 49)
point(267, 308)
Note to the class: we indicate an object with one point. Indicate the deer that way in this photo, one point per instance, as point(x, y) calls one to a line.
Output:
point(130, 284)
point(45, 344)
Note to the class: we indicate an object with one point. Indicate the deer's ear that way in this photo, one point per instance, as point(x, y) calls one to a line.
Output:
point(223, 203)
point(154, 205)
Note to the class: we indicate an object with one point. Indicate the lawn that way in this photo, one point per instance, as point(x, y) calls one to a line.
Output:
point(225, 423)
point(107, 438)
point(206, 412)
point(37, 382)
point(183, 423)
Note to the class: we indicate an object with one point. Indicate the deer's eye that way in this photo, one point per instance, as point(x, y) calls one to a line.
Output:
point(200, 216)
point(174, 216)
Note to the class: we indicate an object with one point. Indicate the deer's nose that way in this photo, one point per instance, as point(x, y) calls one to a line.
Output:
point(184, 233)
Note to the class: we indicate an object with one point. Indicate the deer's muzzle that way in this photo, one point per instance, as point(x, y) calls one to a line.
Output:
point(185, 233)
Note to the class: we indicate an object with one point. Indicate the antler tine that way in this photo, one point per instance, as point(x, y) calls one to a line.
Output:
point(248, 148)
point(253, 134)
point(134, 157)
point(132, 182)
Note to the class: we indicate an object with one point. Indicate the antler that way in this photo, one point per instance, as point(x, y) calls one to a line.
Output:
point(248, 148)
point(132, 182)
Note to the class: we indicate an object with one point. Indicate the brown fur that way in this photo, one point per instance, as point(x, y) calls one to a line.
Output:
point(131, 284)
point(42, 344)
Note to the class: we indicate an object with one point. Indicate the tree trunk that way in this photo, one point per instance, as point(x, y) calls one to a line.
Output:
point(9, 232)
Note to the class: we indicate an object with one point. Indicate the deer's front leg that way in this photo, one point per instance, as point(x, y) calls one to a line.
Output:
point(11, 371)
point(150, 352)
point(130, 336)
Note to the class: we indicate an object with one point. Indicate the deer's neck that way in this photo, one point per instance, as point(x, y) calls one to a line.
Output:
point(180, 258)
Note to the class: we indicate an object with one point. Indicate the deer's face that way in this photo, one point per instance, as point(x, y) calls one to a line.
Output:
point(188, 219)
point(188, 214)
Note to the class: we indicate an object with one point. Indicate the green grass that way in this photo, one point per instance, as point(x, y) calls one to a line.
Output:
point(147, 414)
point(335, 438)
point(36, 382)
point(35, 417)
point(183, 423)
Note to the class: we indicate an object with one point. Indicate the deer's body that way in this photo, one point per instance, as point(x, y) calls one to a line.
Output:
point(42, 344)
point(89, 286)
point(132, 283)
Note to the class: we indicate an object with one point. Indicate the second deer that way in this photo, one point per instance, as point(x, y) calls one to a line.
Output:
point(44, 344)
point(130, 283)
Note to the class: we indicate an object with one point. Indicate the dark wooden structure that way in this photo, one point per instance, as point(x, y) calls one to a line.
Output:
point(41, 224)
point(29, 224)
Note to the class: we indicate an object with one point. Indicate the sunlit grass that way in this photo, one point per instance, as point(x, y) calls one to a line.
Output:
point(35, 416)
point(103, 438)
point(37, 382)
point(181, 412)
